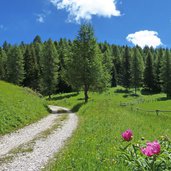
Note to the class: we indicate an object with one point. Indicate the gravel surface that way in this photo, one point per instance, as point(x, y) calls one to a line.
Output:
point(44, 148)
point(13, 140)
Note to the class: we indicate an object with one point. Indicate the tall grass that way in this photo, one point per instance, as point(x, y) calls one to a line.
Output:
point(102, 120)
point(18, 107)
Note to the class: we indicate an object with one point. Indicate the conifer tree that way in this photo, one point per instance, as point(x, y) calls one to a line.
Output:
point(126, 78)
point(149, 76)
point(107, 59)
point(114, 76)
point(157, 68)
point(37, 39)
point(166, 74)
point(118, 63)
point(136, 70)
point(31, 68)
point(15, 66)
point(64, 50)
point(6, 46)
point(3, 63)
point(38, 48)
point(86, 69)
point(49, 68)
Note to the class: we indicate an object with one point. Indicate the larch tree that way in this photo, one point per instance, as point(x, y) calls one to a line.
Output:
point(86, 70)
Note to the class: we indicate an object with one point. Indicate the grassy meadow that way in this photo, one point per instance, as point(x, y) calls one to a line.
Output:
point(101, 122)
point(19, 107)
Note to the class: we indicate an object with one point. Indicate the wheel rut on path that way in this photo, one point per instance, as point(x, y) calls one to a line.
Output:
point(44, 147)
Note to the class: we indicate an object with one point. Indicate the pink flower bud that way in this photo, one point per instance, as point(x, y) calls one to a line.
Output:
point(127, 135)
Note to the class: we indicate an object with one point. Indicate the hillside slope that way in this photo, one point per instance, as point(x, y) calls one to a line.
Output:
point(18, 107)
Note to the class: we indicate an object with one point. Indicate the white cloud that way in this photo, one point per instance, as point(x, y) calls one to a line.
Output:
point(145, 38)
point(85, 9)
point(2, 27)
point(40, 18)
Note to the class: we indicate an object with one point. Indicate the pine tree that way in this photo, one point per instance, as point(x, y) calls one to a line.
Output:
point(86, 69)
point(166, 74)
point(126, 82)
point(15, 66)
point(49, 68)
point(136, 70)
point(149, 76)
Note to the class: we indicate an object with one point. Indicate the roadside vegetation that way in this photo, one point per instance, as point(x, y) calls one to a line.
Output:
point(19, 107)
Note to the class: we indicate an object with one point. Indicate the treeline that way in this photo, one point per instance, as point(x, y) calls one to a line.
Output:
point(63, 66)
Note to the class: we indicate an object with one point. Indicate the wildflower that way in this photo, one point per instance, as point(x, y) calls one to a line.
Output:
point(155, 147)
point(127, 135)
point(147, 151)
point(151, 149)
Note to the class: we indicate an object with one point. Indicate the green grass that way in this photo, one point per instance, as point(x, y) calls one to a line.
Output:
point(101, 122)
point(19, 107)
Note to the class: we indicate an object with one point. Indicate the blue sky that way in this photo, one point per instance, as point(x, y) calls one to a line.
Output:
point(131, 22)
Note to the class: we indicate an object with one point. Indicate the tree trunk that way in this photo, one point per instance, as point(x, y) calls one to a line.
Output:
point(49, 97)
point(135, 90)
point(86, 94)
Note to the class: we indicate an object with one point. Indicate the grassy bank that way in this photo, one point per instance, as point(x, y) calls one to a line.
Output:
point(102, 121)
point(18, 107)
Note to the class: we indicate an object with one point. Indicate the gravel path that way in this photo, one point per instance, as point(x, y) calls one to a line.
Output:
point(10, 141)
point(44, 148)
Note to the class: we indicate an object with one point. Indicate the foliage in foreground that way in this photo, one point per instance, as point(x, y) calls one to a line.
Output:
point(18, 107)
point(95, 142)
point(154, 156)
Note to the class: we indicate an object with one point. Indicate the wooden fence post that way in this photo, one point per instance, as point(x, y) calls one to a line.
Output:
point(157, 112)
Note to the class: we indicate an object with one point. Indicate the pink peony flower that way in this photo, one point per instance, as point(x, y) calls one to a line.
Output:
point(151, 149)
point(147, 151)
point(127, 135)
point(155, 147)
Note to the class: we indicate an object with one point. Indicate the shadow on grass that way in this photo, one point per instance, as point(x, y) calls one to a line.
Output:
point(77, 107)
point(65, 96)
point(80, 99)
point(148, 92)
point(163, 99)
point(47, 108)
point(123, 91)
point(131, 95)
